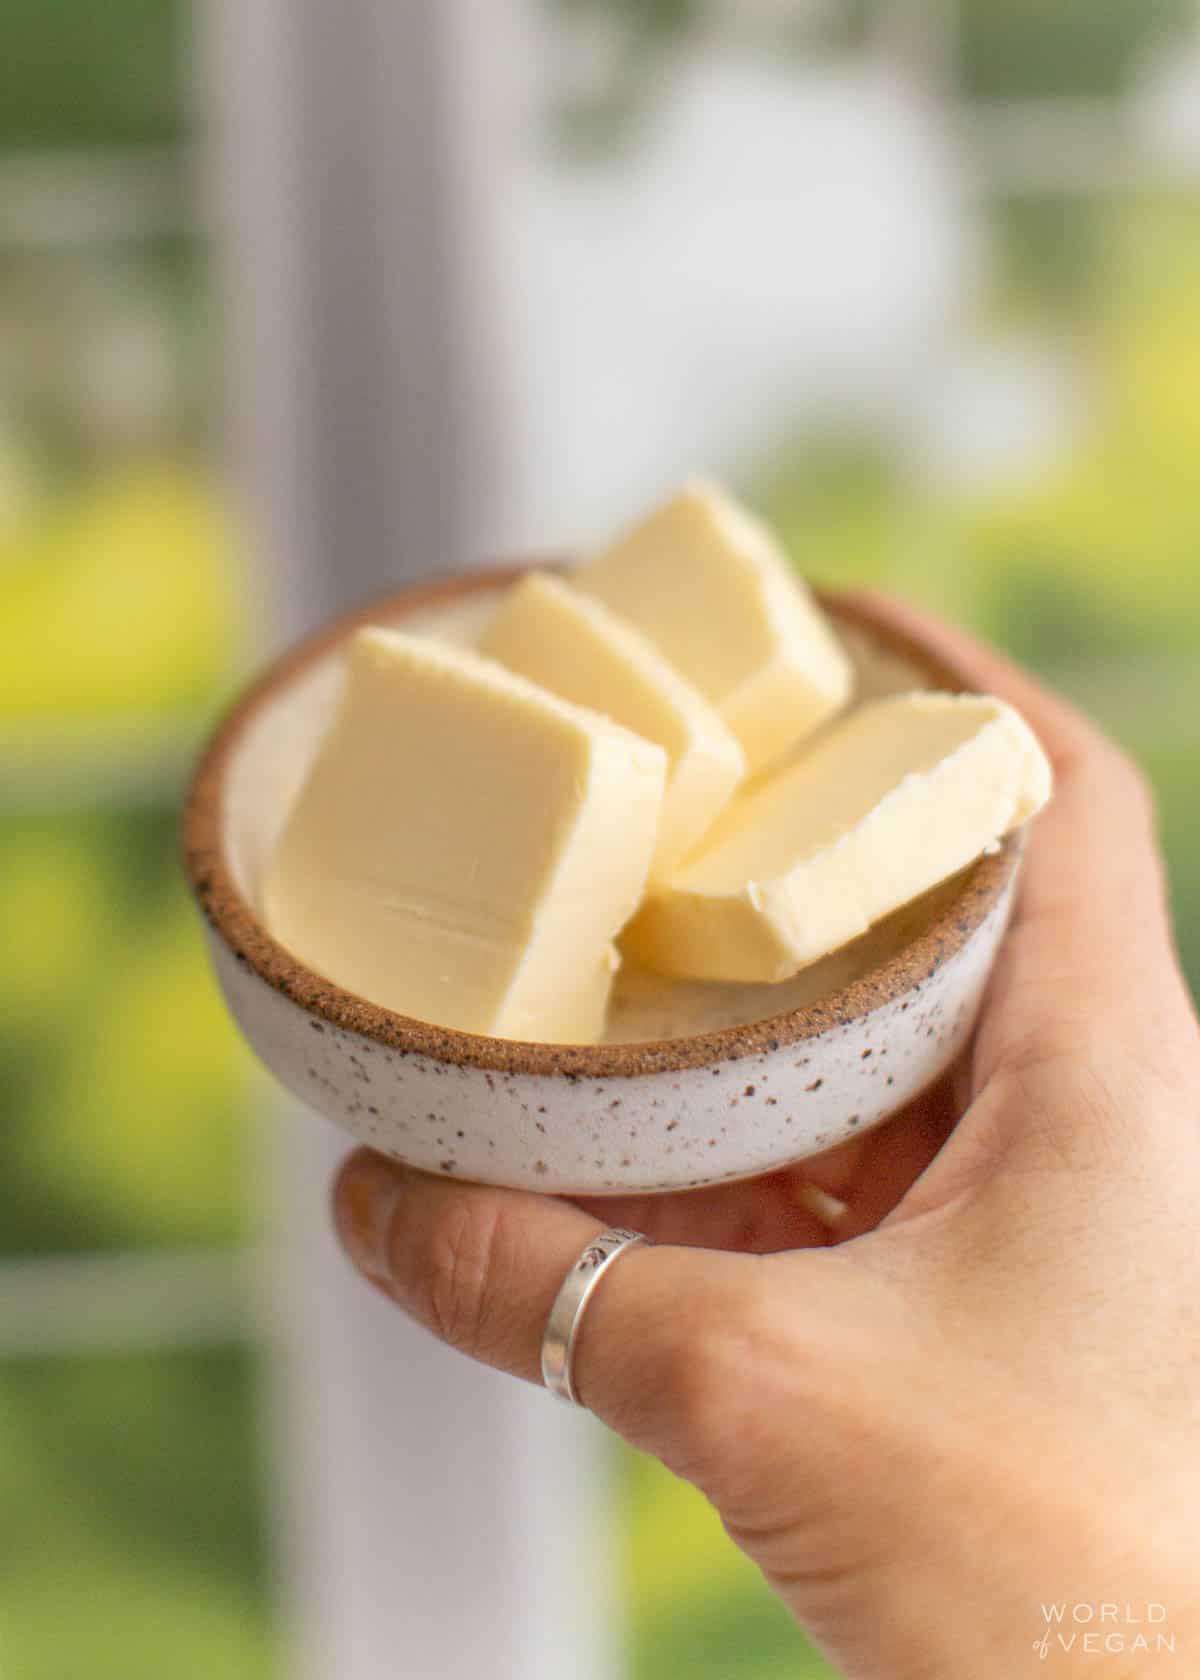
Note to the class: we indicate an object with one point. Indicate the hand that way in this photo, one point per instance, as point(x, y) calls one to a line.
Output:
point(974, 1392)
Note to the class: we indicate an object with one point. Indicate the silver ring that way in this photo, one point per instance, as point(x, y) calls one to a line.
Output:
point(562, 1326)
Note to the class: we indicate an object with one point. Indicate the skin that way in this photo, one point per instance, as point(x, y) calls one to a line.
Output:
point(974, 1391)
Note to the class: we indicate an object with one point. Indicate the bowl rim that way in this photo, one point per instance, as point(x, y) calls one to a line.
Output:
point(239, 927)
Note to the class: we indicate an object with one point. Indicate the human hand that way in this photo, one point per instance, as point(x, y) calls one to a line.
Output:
point(972, 1393)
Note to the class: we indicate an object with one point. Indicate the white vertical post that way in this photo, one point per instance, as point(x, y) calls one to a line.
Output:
point(442, 1522)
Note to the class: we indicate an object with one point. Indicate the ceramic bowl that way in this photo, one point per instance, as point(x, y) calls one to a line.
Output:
point(697, 1084)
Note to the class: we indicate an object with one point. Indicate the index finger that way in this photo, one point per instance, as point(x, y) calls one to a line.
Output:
point(480, 1267)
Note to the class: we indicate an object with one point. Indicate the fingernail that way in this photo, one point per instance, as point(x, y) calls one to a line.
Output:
point(367, 1194)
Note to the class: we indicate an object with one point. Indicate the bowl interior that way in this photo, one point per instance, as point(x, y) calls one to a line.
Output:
point(270, 751)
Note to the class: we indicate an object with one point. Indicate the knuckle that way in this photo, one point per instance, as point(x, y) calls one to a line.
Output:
point(712, 1380)
point(458, 1284)
point(694, 1385)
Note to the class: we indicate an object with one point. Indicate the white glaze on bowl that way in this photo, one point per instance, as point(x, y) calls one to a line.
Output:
point(672, 1114)
point(667, 1130)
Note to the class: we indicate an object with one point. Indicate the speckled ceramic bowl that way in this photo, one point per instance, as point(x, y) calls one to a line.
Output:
point(696, 1084)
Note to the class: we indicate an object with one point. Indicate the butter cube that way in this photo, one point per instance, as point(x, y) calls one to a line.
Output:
point(574, 646)
point(591, 1009)
point(466, 845)
point(707, 583)
point(893, 799)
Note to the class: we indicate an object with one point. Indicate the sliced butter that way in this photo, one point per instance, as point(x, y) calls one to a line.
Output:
point(887, 803)
point(590, 1010)
point(707, 583)
point(466, 846)
point(574, 646)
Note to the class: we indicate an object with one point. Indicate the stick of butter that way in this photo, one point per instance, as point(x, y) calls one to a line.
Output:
point(890, 801)
point(707, 583)
point(466, 845)
point(574, 646)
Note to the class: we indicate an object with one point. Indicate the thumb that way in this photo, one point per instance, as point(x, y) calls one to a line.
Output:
point(663, 1345)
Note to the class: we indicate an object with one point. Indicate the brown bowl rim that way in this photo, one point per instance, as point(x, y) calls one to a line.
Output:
point(239, 927)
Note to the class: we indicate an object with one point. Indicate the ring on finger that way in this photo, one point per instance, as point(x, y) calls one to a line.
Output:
point(566, 1315)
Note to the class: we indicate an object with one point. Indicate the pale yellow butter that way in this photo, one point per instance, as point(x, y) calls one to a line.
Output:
point(573, 645)
point(591, 1008)
point(706, 582)
point(890, 801)
point(466, 845)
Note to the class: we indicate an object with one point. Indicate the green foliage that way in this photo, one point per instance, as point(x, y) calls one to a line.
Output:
point(646, 20)
point(1005, 49)
point(647, 35)
point(1049, 255)
point(1047, 618)
point(1106, 540)
point(836, 504)
point(699, 1608)
point(661, 25)
point(132, 1090)
point(1172, 766)
point(92, 72)
point(131, 1545)
point(1043, 48)
point(122, 599)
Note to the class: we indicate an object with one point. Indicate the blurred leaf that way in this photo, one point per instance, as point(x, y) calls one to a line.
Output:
point(1172, 768)
point(129, 1092)
point(741, 1633)
point(142, 1122)
point(131, 1544)
point(124, 599)
point(1039, 612)
point(700, 1610)
point(1042, 48)
point(1007, 49)
point(1049, 254)
point(92, 72)
point(837, 505)
point(56, 909)
point(646, 20)
point(1116, 529)
point(647, 35)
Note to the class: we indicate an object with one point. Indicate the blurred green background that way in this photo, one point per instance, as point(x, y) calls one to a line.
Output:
point(131, 1489)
